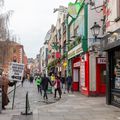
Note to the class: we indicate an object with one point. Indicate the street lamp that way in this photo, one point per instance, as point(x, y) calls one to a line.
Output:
point(95, 29)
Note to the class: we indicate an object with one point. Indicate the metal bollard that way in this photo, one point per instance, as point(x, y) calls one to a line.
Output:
point(0, 100)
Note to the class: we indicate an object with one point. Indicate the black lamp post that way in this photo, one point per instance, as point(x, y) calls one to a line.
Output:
point(95, 29)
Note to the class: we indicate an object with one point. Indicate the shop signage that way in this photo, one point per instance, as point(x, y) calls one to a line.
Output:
point(75, 51)
point(73, 9)
point(101, 60)
point(77, 64)
point(16, 71)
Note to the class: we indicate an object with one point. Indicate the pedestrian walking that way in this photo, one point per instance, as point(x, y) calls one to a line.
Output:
point(62, 79)
point(38, 83)
point(52, 81)
point(44, 84)
point(69, 83)
point(57, 85)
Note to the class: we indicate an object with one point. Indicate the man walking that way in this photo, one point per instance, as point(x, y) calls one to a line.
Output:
point(69, 83)
point(44, 84)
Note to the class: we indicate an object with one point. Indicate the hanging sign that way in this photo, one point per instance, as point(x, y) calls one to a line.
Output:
point(101, 60)
point(16, 71)
point(73, 9)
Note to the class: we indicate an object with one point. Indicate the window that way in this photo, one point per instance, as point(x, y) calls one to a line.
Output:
point(117, 70)
point(76, 31)
point(118, 8)
point(118, 11)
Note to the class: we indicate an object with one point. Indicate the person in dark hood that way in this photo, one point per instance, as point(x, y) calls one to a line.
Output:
point(44, 84)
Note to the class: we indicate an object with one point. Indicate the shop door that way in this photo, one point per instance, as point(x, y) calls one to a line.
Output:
point(102, 79)
point(76, 79)
point(101, 76)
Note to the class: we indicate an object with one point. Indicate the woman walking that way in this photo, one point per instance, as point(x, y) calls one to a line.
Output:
point(57, 86)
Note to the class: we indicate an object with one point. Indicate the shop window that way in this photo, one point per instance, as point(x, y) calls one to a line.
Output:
point(117, 70)
point(117, 74)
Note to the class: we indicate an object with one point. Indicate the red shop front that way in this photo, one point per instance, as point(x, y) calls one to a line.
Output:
point(84, 74)
point(97, 75)
point(80, 72)
point(101, 75)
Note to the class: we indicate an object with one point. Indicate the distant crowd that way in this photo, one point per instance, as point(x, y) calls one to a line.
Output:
point(53, 84)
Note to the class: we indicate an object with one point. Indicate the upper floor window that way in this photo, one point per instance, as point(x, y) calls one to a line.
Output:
point(76, 31)
point(118, 11)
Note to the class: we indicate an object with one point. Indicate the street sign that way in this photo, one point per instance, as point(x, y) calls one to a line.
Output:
point(16, 71)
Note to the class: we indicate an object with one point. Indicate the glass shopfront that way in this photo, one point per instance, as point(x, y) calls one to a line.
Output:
point(114, 75)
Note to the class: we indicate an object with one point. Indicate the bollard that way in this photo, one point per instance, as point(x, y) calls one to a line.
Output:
point(27, 107)
point(0, 100)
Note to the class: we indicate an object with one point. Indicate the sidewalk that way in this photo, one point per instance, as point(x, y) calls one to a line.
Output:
point(70, 107)
point(78, 107)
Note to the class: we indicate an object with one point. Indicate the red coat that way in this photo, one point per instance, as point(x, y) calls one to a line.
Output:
point(57, 83)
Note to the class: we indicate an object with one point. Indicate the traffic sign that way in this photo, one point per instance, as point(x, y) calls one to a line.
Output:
point(16, 71)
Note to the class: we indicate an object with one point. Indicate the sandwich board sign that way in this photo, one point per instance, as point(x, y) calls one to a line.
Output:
point(16, 71)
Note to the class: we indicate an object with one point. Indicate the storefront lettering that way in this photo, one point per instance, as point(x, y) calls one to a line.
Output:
point(101, 60)
point(78, 50)
point(72, 54)
point(75, 51)
point(77, 64)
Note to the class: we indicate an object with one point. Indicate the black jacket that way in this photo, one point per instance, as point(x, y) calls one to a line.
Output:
point(44, 83)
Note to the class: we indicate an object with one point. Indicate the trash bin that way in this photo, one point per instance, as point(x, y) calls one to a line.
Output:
point(0, 100)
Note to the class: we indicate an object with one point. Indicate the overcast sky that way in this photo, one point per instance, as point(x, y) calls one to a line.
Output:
point(31, 20)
